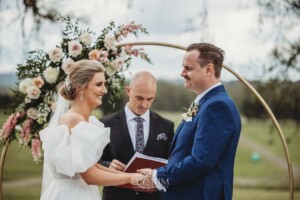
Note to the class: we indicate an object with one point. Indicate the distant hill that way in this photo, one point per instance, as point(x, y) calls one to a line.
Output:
point(7, 82)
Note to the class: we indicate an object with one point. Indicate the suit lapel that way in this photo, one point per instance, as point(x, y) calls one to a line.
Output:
point(202, 101)
point(124, 132)
point(176, 136)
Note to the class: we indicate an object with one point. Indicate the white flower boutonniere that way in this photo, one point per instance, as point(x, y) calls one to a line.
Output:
point(191, 111)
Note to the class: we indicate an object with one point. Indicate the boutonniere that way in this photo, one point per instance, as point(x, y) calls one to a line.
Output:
point(191, 111)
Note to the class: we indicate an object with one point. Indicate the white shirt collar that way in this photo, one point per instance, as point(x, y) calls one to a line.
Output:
point(130, 115)
point(199, 96)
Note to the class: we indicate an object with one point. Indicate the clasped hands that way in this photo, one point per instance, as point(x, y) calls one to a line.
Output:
point(145, 182)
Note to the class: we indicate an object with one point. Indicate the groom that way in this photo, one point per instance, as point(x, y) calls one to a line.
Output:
point(203, 150)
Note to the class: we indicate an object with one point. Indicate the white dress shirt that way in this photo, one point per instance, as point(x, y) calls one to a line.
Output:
point(131, 123)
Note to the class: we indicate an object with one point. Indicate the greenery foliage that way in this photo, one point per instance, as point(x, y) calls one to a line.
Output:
point(43, 73)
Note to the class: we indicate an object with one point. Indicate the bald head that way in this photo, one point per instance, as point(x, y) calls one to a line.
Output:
point(142, 77)
point(141, 92)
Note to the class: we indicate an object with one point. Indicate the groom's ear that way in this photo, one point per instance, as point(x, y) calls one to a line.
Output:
point(210, 69)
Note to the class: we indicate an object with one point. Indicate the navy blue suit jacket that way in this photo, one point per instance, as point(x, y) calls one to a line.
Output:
point(203, 150)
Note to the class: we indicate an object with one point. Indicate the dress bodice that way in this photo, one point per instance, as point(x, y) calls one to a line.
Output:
point(68, 152)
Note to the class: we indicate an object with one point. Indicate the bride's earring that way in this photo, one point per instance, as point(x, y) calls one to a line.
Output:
point(81, 95)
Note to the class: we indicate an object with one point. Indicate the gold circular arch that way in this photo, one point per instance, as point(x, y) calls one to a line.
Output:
point(244, 81)
point(257, 95)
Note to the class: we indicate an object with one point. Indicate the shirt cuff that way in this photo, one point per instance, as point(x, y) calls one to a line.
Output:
point(156, 182)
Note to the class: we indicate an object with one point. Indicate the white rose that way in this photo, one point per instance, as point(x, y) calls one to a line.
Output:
point(111, 69)
point(51, 74)
point(110, 42)
point(75, 48)
point(25, 84)
point(32, 113)
point(86, 39)
point(33, 92)
point(66, 66)
point(56, 55)
point(118, 63)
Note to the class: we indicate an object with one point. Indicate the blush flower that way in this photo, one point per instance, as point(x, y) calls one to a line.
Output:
point(94, 54)
point(38, 82)
point(36, 149)
point(33, 92)
point(67, 66)
point(32, 113)
point(56, 55)
point(75, 48)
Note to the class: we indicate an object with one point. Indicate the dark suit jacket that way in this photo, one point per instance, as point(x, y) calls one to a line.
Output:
point(121, 148)
point(203, 151)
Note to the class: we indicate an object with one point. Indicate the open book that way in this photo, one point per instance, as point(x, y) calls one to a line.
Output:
point(140, 161)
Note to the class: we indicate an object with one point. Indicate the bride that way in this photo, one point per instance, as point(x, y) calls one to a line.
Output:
point(74, 140)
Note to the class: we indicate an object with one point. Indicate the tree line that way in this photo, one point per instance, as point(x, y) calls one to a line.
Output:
point(282, 97)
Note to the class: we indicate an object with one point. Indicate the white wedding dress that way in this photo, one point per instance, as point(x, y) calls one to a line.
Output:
point(68, 153)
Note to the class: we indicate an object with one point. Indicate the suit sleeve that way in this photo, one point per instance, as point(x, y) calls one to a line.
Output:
point(106, 157)
point(213, 132)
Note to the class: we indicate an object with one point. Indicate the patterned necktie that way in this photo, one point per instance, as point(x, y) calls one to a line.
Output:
point(139, 138)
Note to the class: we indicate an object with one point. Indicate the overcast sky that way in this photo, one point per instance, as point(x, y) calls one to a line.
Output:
point(231, 25)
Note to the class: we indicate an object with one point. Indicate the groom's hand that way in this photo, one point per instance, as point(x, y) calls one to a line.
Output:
point(147, 183)
point(117, 165)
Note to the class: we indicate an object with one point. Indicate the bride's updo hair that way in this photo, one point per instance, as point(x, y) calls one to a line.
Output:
point(80, 75)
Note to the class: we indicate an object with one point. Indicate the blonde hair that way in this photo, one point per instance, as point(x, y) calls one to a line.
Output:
point(81, 74)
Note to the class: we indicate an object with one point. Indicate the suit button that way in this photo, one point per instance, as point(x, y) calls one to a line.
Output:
point(137, 193)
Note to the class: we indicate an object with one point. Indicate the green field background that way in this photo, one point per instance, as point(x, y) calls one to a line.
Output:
point(259, 179)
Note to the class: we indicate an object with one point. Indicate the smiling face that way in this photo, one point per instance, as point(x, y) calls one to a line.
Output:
point(141, 95)
point(197, 78)
point(95, 90)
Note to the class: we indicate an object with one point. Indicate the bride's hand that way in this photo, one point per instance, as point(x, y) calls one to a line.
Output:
point(137, 178)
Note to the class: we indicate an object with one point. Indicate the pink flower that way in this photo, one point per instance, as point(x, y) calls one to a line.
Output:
point(36, 149)
point(38, 82)
point(10, 124)
point(129, 28)
point(94, 54)
point(75, 48)
point(25, 132)
point(128, 49)
point(135, 53)
point(32, 113)
point(103, 56)
point(56, 55)
point(33, 92)
point(67, 66)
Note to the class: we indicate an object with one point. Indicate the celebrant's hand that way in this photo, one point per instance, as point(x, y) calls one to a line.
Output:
point(117, 165)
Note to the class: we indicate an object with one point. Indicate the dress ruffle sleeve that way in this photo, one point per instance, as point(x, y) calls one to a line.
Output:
point(74, 151)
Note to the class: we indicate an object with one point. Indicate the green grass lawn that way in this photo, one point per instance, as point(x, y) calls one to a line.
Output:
point(19, 165)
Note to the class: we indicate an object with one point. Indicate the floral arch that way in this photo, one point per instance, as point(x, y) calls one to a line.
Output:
point(139, 52)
